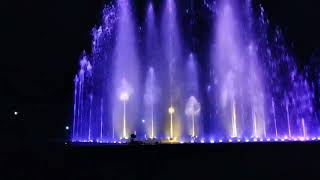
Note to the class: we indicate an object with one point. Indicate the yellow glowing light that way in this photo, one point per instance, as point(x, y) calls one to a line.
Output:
point(171, 110)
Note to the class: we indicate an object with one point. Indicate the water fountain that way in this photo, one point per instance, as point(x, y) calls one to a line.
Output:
point(241, 84)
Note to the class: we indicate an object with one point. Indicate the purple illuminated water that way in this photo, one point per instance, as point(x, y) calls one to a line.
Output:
point(156, 79)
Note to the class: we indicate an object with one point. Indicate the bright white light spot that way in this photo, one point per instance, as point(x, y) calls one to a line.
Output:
point(124, 96)
point(143, 121)
point(220, 140)
point(211, 141)
point(202, 141)
point(67, 128)
point(171, 110)
point(255, 140)
point(239, 140)
point(319, 138)
point(15, 113)
point(230, 140)
point(247, 140)
point(268, 139)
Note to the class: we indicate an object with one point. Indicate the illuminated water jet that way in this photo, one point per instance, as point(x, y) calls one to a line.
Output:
point(171, 111)
point(192, 109)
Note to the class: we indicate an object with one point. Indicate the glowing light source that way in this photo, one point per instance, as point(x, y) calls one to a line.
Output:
point(234, 120)
point(67, 128)
point(15, 113)
point(211, 141)
point(124, 96)
point(171, 112)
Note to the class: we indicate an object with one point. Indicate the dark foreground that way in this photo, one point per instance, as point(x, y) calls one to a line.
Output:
point(191, 161)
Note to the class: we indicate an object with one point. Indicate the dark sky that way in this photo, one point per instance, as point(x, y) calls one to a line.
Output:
point(42, 40)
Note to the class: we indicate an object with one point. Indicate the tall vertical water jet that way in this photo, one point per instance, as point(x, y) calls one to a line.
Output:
point(171, 46)
point(75, 108)
point(126, 75)
point(274, 118)
point(192, 93)
point(152, 113)
point(150, 99)
point(227, 66)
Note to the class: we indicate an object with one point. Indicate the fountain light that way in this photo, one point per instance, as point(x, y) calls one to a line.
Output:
point(211, 141)
point(171, 112)
point(192, 109)
point(124, 97)
point(220, 140)
point(67, 128)
point(234, 120)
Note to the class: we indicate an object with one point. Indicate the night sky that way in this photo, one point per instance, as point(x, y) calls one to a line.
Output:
point(42, 41)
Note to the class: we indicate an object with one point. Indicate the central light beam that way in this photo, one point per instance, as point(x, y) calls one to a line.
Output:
point(171, 112)
point(124, 97)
